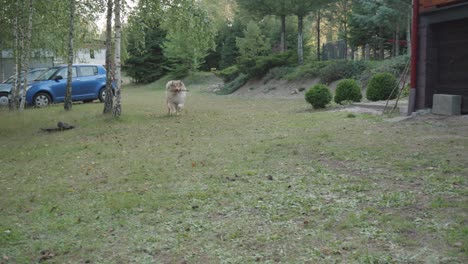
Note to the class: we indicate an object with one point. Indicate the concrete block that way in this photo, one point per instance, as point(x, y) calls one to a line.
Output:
point(446, 104)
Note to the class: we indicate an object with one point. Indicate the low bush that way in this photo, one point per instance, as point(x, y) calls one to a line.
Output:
point(318, 96)
point(258, 67)
point(232, 86)
point(395, 66)
point(278, 73)
point(306, 71)
point(341, 69)
point(228, 74)
point(348, 90)
point(382, 86)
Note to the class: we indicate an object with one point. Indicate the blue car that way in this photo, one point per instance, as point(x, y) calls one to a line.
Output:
point(5, 87)
point(88, 84)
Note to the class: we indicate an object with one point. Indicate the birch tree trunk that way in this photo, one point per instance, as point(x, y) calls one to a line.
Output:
point(14, 88)
point(283, 33)
point(118, 82)
point(300, 39)
point(68, 94)
point(108, 101)
point(27, 55)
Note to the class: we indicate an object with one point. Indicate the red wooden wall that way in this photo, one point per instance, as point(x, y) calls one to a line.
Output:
point(431, 4)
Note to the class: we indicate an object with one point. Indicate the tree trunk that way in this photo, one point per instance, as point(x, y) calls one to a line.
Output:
point(68, 94)
point(381, 44)
point(108, 101)
point(283, 33)
point(14, 89)
point(397, 41)
point(408, 33)
point(318, 35)
point(300, 39)
point(27, 55)
point(346, 41)
point(118, 82)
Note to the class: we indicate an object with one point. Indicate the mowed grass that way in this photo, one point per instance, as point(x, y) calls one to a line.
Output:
point(232, 180)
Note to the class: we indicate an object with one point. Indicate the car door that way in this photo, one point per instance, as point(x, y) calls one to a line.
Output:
point(87, 88)
point(59, 85)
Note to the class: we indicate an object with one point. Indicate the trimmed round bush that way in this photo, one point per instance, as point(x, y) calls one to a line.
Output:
point(318, 96)
point(348, 90)
point(380, 87)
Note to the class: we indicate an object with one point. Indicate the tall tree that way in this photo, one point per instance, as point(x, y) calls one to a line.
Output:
point(280, 8)
point(301, 9)
point(108, 100)
point(27, 54)
point(118, 78)
point(146, 62)
point(68, 94)
point(190, 35)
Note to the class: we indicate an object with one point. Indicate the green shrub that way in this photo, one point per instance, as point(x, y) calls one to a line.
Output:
point(306, 71)
point(341, 69)
point(237, 83)
point(395, 66)
point(348, 90)
point(318, 96)
point(258, 67)
point(228, 74)
point(278, 73)
point(382, 86)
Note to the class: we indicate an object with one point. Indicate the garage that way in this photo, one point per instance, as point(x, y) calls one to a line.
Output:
point(451, 47)
point(443, 52)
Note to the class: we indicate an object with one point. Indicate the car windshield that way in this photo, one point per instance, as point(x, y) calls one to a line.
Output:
point(47, 74)
point(32, 75)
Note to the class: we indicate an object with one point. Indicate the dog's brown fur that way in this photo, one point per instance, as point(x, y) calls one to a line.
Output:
point(175, 96)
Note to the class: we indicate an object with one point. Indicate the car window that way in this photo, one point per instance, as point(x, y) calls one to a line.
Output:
point(47, 74)
point(88, 70)
point(64, 72)
point(34, 74)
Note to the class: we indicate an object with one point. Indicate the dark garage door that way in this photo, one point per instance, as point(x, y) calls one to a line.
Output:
point(451, 43)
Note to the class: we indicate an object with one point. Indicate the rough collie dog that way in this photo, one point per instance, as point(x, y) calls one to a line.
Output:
point(175, 96)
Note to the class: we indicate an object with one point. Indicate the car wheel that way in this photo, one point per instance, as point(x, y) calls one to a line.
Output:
point(4, 99)
point(41, 100)
point(102, 94)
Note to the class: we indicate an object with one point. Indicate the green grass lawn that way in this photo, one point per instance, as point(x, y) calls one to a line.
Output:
point(232, 180)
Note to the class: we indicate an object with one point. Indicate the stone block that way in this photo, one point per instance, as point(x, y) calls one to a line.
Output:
point(446, 104)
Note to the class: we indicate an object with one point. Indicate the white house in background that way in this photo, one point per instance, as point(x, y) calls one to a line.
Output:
point(92, 53)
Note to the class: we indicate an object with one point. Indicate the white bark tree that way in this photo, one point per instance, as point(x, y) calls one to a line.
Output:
point(117, 78)
point(108, 101)
point(26, 55)
point(68, 94)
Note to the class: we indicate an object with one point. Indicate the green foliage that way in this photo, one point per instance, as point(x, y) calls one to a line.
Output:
point(190, 35)
point(306, 71)
point(258, 67)
point(341, 69)
point(382, 87)
point(228, 74)
point(395, 66)
point(145, 62)
point(348, 90)
point(406, 91)
point(226, 50)
point(253, 43)
point(237, 83)
point(318, 96)
point(279, 72)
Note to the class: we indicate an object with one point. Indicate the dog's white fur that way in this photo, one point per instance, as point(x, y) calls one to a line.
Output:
point(175, 96)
